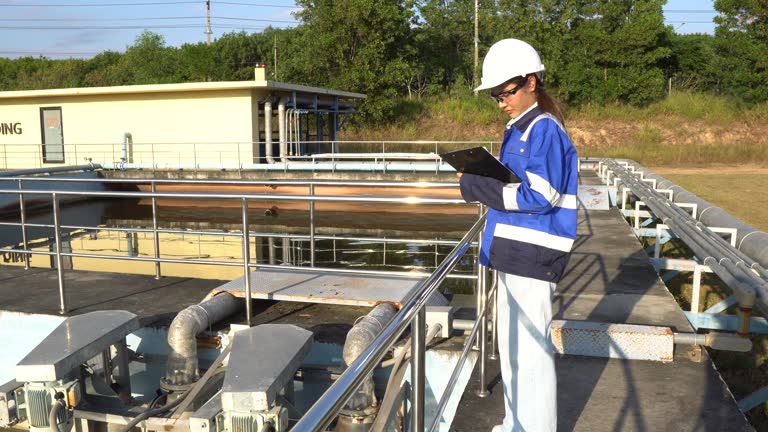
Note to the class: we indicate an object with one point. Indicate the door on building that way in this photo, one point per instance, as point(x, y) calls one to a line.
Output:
point(53, 134)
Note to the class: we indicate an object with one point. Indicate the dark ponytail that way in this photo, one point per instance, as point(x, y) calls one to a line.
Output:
point(547, 103)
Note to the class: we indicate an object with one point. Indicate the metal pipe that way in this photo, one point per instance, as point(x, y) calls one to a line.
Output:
point(246, 261)
point(281, 124)
point(418, 184)
point(700, 240)
point(480, 279)
point(263, 196)
point(312, 227)
point(23, 220)
point(181, 369)
point(324, 410)
point(59, 263)
point(358, 339)
point(268, 132)
point(23, 172)
point(155, 235)
point(719, 341)
point(418, 339)
point(271, 249)
point(494, 329)
point(749, 240)
point(482, 316)
point(123, 375)
point(426, 167)
point(127, 140)
point(288, 129)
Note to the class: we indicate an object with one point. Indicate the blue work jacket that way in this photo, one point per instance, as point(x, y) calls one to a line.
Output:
point(531, 225)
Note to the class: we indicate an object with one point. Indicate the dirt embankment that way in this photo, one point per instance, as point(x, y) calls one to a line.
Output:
point(588, 133)
point(665, 131)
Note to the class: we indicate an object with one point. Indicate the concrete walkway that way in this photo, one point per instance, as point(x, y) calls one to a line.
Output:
point(611, 280)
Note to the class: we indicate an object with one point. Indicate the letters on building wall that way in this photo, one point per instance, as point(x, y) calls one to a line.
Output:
point(10, 128)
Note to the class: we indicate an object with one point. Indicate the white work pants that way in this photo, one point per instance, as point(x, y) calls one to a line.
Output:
point(525, 352)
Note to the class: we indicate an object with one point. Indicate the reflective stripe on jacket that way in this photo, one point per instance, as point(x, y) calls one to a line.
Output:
point(531, 225)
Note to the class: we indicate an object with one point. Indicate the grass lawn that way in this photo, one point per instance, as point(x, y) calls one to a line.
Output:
point(739, 191)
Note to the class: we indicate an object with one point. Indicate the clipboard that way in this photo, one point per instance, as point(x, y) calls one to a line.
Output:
point(479, 161)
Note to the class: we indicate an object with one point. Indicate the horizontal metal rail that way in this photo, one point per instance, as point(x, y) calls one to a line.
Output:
point(296, 237)
point(167, 154)
point(242, 199)
point(320, 415)
point(229, 182)
point(270, 197)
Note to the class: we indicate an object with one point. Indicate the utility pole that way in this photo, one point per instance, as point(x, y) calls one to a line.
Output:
point(208, 20)
point(275, 57)
point(474, 71)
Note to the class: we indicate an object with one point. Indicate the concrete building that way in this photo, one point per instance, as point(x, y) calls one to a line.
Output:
point(208, 123)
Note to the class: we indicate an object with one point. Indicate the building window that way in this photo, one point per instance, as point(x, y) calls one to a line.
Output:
point(53, 134)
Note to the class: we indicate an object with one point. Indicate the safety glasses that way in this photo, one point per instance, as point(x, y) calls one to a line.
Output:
point(499, 98)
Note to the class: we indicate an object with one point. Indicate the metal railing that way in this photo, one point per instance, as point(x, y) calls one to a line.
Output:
point(209, 155)
point(413, 314)
point(56, 196)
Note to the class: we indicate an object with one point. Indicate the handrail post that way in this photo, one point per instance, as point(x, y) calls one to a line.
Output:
point(494, 355)
point(482, 294)
point(23, 216)
point(480, 275)
point(155, 234)
point(418, 342)
point(312, 226)
point(246, 262)
point(59, 269)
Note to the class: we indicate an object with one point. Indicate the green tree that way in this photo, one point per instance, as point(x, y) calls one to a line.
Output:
point(358, 45)
point(147, 61)
point(197, 62)
point(692, 65)
point(618, 51)
point(741, 41)
point(444, 42)
point(98, 69)
point(545, 24)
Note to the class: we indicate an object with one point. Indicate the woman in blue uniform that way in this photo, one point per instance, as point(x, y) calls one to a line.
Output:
point(529, 231)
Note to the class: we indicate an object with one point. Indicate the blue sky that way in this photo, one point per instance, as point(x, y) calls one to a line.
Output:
point(84, 28)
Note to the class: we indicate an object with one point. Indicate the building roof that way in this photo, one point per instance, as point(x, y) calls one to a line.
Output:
point(184, 87)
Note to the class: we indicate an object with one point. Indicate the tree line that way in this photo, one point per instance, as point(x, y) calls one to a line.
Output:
point(596, 52)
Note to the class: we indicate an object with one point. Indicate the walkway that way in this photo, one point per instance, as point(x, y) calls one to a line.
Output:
point(611, 280)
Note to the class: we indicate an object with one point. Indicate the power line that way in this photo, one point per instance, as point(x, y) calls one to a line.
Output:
point(99, 4)
point(159, 3)
point(140, 19)
point(52, 53)
point(690, 11)
point(257, 4)
point(131, 27)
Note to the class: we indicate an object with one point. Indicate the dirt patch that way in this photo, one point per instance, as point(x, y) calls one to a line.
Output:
point(713, 169)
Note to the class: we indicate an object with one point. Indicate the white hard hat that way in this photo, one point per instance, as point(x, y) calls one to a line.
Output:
point(507, 59)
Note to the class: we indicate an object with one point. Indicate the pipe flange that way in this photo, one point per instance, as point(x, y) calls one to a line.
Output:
point(363, 413)
point(172, 388)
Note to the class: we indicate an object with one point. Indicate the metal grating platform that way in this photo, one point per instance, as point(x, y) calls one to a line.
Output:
point(323, 287)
